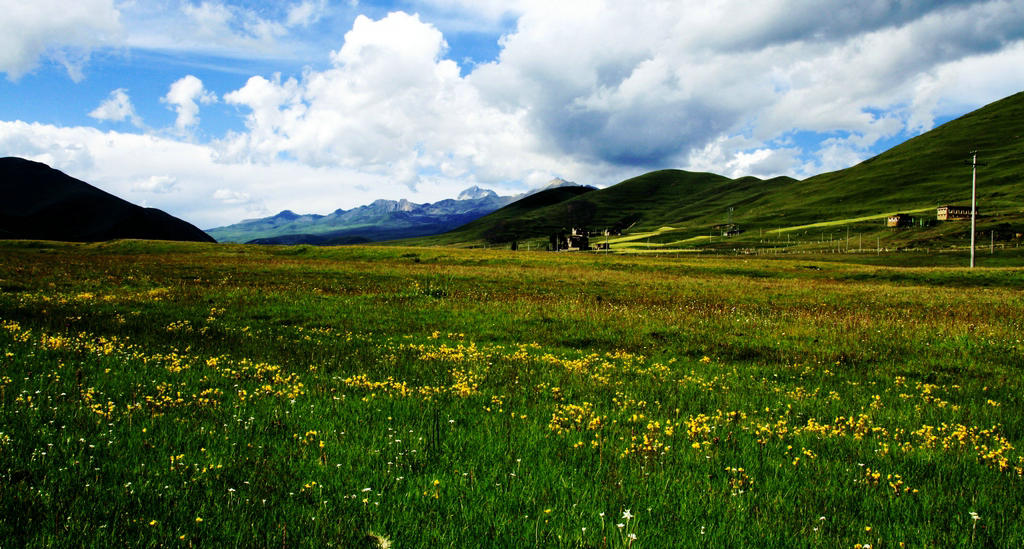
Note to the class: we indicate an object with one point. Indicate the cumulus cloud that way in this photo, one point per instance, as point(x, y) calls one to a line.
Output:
point(594, 90)
point(650, 84)
point(61, 31)
point(391, 104)
point(184, 97)
point(117, 107)
point(737, 157)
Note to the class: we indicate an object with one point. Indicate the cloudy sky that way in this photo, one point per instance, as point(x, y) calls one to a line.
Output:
point(217, 110)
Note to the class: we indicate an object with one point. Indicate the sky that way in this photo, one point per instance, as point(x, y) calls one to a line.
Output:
point(217, 111)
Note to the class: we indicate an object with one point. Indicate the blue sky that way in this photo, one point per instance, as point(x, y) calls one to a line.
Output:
point(217, 110)
point(47, 94)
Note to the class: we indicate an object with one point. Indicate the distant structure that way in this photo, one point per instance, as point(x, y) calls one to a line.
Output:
point(727, 229)
point(577, 240)
point(900, 220)
point(950, 213)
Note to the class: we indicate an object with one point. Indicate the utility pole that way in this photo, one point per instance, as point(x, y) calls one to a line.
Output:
point(974, 199)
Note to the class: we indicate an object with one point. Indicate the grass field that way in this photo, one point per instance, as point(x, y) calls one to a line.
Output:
point(157, 394)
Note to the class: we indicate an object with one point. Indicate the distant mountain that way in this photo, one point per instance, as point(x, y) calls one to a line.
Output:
point(558, 183)
point(379, 220)
point(475, 192)
point(40, 203)
point(684, 208)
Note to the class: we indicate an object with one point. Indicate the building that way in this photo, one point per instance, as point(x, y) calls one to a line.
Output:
point(727, 229)
point(576, 240)
point(949, 213)
point(899, 220)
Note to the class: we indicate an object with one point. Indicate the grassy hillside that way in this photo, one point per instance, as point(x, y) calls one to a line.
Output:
point(929, 170)
point(524, 218)
point(679, 209)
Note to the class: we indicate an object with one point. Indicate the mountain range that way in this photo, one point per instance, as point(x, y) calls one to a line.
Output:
point(379, 220)
point(41, 203)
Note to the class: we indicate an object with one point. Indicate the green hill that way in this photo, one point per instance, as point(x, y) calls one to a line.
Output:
point(678, 209)
point(530, 216)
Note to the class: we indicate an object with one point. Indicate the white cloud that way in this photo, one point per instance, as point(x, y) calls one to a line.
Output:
point(56, 29)
point(225, 29)
point(738, 156)
point(209, 19)
point(117, 107)
point(305, 13)
point(229, 196)
point(837, 154)
point(157, 184)
point(963, 84)
point(652, 84)
point(219, 22)
point(390, 105)
point(184, 97)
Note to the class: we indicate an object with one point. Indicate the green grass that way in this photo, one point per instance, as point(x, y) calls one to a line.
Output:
point(850, 221)
point(303, 396)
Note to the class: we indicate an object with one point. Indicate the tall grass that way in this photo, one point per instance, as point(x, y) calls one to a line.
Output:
point(162, 394)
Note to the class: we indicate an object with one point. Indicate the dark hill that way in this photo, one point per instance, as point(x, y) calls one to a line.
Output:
point(41, 203)
point(547, 197)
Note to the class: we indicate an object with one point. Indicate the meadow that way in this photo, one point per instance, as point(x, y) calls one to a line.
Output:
point(157, 394)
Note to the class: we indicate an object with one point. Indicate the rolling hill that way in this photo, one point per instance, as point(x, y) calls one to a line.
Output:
point(679, 208)
point(41, 203)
